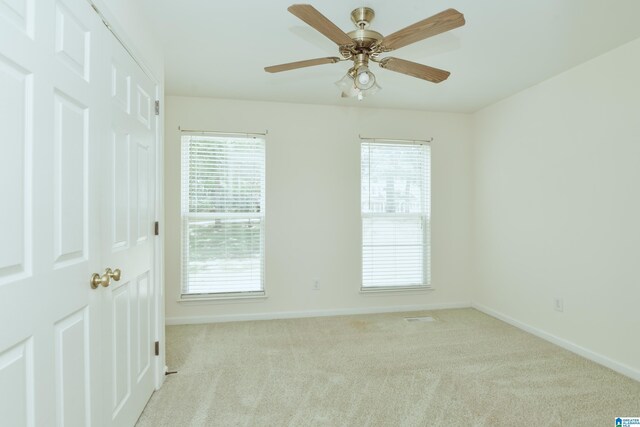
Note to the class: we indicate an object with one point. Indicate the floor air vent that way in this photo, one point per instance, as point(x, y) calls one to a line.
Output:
point(420, 319)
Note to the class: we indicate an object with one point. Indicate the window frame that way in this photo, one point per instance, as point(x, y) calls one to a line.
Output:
point(425, 216)
point(185, 216)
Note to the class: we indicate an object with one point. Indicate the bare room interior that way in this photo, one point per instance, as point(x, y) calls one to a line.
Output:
point(337, 213)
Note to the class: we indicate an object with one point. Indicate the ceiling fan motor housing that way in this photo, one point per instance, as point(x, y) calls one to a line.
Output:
point(365, 39)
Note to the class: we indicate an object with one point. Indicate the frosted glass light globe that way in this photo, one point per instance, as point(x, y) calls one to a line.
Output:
point(363, 78)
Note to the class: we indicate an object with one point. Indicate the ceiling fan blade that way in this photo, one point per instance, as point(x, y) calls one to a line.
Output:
point(434, 75)
point(439, 23)
point(301, 64)
point(311, 16)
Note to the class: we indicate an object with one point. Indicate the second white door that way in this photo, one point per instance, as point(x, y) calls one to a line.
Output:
point(128, 159)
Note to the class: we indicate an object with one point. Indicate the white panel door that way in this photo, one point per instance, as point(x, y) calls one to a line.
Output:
point(128, 238)
point(49, 237)
point(77, 139)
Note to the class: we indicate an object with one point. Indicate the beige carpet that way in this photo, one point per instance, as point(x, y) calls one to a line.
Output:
point(466, 369)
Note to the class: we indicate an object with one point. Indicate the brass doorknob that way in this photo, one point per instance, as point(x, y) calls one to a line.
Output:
point(97, 280)
point(115, 274)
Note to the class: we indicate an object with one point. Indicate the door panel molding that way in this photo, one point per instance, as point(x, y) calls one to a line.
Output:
point(72, 356)
point(16, 129)
point(17, 380)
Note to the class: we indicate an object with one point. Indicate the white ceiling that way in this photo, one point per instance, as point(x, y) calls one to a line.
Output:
point(219, 49)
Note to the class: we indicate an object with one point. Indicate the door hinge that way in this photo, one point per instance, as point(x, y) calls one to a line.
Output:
point(157, 348)
point(156, 228)
point(157, 108)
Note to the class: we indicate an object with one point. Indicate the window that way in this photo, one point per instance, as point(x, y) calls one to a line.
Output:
point(395, 198)
point(222, 215)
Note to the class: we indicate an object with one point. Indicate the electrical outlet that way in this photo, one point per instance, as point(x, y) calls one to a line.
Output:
point(558, 304)
point(316, 284)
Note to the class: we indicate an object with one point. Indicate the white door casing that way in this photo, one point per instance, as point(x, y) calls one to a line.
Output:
point(58, 361)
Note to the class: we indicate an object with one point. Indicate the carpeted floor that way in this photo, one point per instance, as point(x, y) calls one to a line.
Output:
point(465, 369)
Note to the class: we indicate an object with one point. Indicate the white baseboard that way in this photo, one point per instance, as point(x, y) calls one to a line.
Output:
point(187, 320)
point(567, 345)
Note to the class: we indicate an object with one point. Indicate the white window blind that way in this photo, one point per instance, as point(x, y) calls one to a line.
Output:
point(395, 197)
point(223, 181)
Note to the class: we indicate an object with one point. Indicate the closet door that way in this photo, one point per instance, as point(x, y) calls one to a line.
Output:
point(128, 238)
point(51, 94)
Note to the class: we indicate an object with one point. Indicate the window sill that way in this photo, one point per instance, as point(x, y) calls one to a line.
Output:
point(395, 289)
point(221, 297)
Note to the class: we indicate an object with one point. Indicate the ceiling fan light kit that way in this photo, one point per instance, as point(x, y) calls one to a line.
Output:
point(349, 86)
point(363, 46)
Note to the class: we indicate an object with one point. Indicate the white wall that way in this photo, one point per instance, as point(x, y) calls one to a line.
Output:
point(313, 205)
point(557, 207)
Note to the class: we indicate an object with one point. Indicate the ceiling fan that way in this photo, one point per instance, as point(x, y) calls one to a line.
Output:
point(363, 45)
